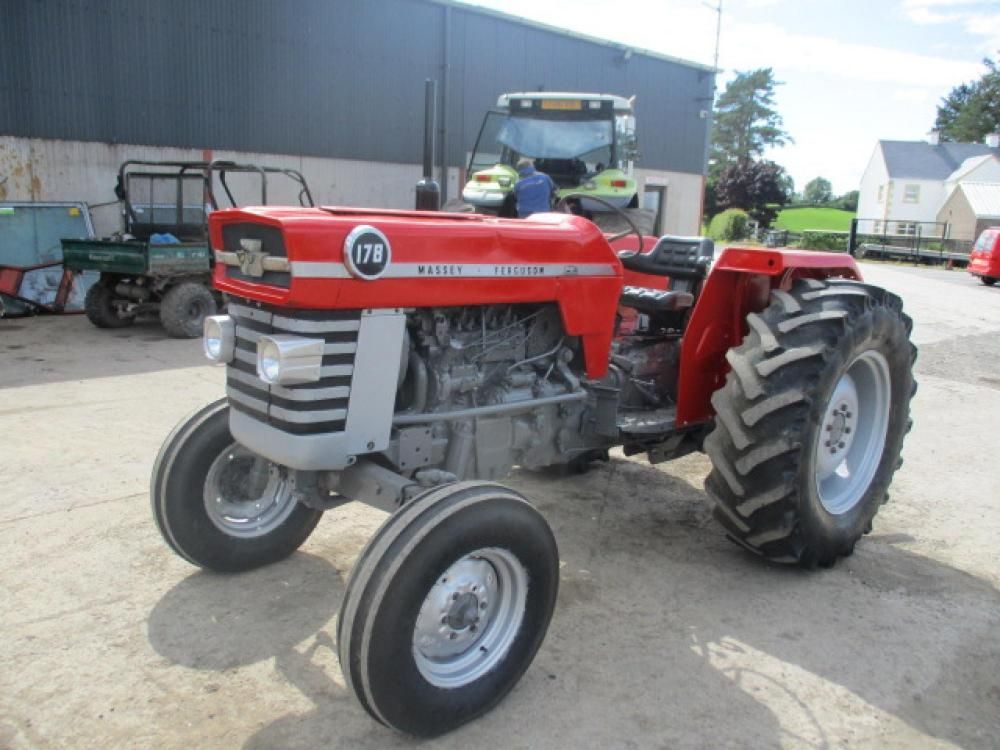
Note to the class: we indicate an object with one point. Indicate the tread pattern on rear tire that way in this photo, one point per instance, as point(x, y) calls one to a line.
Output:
point(770, 405)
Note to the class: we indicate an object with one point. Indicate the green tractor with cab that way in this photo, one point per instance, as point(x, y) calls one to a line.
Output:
point(161, 261)
point(585, 142)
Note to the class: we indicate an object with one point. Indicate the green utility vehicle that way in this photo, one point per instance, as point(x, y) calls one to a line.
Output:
point(161, 261)
point(585, 142)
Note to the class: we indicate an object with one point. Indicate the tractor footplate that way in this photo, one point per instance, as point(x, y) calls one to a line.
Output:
point(653, 422)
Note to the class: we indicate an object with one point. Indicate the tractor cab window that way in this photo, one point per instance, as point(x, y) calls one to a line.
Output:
point(556, 139)
point(566, 150)
point(628, 145)
point(489, 151)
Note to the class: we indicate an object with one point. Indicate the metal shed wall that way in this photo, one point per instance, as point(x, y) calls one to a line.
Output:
point(331, 78)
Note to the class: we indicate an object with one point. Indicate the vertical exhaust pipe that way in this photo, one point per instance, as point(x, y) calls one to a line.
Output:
point(428, 191)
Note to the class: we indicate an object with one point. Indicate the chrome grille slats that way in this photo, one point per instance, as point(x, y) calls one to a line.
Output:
point(307, 409)
point(293, 394)
point(316, 326)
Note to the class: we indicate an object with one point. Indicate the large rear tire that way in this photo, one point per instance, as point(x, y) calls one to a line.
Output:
point(810, 423)
point(184, 309)
point(99, 305)
point(218, 505)
point(447, 606)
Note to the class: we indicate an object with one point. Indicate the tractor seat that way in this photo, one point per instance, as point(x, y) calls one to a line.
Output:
point(683, 258)
point(655, 300)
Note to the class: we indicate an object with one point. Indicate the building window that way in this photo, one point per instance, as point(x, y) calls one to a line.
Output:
point(881, 192)
point(911, 194)
point(908, 228)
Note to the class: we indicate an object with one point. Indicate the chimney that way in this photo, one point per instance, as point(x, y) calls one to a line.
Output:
point(934, 137)
point(993, 140)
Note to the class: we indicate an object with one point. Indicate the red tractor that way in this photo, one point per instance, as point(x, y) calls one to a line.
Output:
point(410, 360)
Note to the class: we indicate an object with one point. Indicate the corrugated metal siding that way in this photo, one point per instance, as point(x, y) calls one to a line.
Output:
point(333, 78)
point(983, 198)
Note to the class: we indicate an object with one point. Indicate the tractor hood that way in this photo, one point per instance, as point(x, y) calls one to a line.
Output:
point(330, 258)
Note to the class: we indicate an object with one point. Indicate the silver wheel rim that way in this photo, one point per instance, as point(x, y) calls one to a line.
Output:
point(470, 617)
point(852, 433)
point(246, 496)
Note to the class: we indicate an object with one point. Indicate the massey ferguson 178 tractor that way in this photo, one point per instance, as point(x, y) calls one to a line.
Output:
point(409, 360)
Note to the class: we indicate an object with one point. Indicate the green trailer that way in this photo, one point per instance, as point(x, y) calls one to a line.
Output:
point(161, 261)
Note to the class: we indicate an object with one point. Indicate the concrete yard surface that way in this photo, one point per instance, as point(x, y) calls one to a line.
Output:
point(666, 635)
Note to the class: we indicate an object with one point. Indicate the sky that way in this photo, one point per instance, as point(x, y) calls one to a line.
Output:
point(852, 71)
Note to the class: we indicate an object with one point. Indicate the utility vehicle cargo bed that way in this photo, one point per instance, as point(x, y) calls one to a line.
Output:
point(134, 257)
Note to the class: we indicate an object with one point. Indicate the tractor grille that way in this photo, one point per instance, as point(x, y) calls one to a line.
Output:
point(272, 242)
point(307, 409)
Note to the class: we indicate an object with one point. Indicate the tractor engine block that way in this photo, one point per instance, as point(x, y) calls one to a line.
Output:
point(466, 370)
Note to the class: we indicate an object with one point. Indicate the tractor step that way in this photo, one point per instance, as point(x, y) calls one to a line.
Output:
point(648, 422)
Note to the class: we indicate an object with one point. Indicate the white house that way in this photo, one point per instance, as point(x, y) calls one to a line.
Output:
point(907, 182)
point(970, 208)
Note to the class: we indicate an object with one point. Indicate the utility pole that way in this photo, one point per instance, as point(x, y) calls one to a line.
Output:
point(718, 27)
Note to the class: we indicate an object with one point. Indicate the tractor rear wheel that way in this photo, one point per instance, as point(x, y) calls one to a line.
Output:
point(810, 423)
point(447, 606)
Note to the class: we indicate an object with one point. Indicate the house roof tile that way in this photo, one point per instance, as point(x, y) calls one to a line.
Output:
point(923, 161)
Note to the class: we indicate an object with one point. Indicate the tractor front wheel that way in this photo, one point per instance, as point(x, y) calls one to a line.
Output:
point(810, 423)
point(447, 606)
point(218, 505)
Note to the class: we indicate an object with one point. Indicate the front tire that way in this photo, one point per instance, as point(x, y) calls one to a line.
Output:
point(219, 506)
point(810, 423)
point(447, 606)
point(988, 280)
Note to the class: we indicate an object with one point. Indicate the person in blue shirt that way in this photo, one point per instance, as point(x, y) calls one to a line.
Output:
point(533, 191)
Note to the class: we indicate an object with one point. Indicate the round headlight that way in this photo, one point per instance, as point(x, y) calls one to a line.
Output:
point(213, 347)
point(219, 338)
point(269, 362)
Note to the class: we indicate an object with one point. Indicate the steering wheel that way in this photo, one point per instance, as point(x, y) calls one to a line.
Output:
point(562, 206)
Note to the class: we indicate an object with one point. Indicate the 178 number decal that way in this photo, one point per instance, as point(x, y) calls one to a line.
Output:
point(367, 253)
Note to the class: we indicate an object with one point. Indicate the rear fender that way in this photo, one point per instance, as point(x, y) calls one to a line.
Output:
point(740, 282)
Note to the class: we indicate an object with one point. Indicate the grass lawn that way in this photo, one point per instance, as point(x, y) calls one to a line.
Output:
point(798, 219)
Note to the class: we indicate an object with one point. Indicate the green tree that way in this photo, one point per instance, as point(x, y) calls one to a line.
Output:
point(818, 190)
point(788, 185)
point(849, 200)
point(971, 110)
point(745, 122)
point(755, 186)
